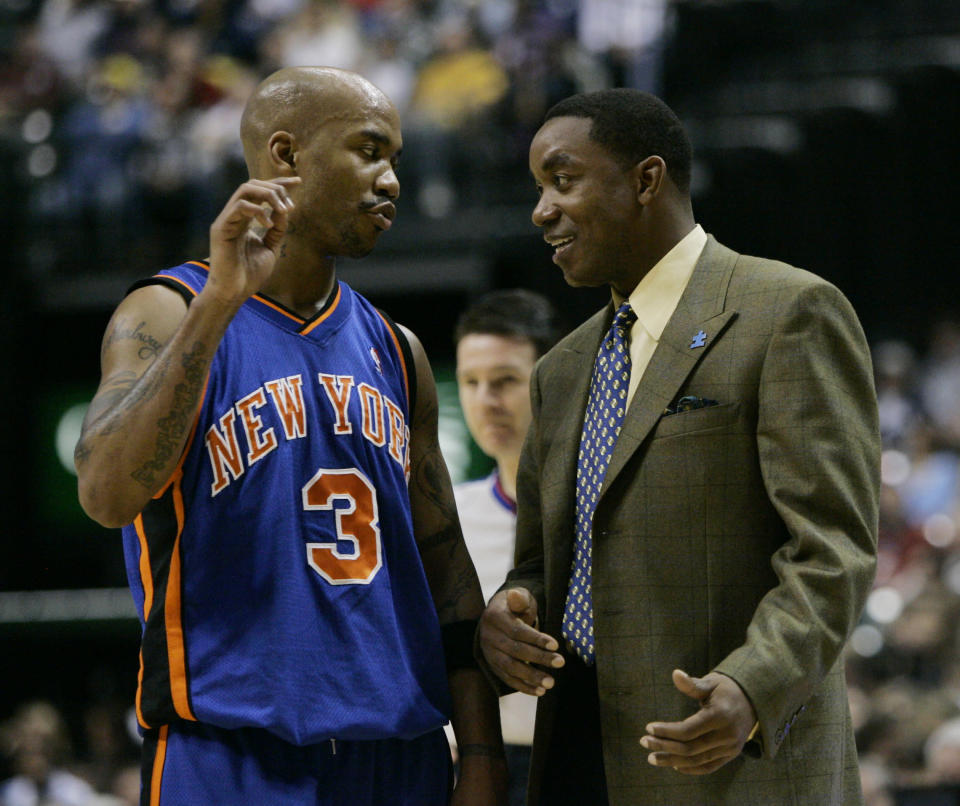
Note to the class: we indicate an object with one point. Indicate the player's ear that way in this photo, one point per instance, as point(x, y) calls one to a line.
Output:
point(282, 148)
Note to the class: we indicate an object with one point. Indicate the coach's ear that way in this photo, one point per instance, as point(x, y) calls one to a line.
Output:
point(648, 177)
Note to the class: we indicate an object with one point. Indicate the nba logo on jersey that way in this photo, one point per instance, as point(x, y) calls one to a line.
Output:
point(376, 359)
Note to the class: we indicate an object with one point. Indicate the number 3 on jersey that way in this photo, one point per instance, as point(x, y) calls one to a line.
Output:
point(356, 524)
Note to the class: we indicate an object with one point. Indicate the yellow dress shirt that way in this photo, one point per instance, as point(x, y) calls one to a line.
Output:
point(656, 298)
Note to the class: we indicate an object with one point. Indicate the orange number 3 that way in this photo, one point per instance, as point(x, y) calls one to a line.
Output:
point(356, 524)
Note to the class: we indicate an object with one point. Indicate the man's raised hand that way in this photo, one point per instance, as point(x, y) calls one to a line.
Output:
point(246, 236)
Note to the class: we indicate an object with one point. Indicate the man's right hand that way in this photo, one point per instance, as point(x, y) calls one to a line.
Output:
point(513, 647)
point(246, 236)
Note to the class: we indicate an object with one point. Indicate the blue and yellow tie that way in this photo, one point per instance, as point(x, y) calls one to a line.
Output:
point(606, 407)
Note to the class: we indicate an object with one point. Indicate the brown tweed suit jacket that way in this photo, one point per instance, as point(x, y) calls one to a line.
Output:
point(738, 537)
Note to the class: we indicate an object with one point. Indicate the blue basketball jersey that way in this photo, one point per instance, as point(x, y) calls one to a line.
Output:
point(276, 574)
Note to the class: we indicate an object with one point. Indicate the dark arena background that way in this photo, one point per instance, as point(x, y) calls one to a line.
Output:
point(825, 135)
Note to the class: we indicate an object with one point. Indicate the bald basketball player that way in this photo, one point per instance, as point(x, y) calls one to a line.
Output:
point(289, 527)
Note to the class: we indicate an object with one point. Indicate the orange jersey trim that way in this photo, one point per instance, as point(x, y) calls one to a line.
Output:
point(323, 317)
point(263, 300)
point(177, 280)
point(146, 579)
point(173, 609)
point(158, 761)
point(403, 363)
point(278, 308)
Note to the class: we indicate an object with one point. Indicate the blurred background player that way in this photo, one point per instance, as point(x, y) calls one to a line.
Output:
point(498, 340)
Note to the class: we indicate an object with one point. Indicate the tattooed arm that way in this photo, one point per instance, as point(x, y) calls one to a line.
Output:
point(156, 354)
point(456, 595)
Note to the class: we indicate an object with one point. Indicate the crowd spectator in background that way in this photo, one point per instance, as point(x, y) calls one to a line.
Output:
point(37, 743)
point(628, 37)
point(119, 113)
point(940, 380)
point(39, 766)
point(903, 661)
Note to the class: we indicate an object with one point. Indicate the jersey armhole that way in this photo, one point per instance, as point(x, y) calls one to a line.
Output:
point(407, 355)
point(182, 289)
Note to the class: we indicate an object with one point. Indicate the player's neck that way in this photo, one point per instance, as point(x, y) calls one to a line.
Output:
point(302, 283)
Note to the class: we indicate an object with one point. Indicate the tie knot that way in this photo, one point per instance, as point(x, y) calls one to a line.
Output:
point(624, 317)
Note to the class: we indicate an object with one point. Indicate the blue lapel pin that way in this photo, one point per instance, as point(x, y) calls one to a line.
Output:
point(699, 340)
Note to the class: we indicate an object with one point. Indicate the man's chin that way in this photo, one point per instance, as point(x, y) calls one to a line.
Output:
point(357, 243)
point(358, 248)
point(578, 275)
point(576, 281)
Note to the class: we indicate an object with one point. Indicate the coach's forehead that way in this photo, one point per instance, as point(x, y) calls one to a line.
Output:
point(565, 142)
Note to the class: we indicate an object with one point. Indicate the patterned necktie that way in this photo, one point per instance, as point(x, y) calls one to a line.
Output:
point(601, 427)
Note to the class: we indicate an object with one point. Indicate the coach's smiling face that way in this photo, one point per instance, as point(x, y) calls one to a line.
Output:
point(590, 206)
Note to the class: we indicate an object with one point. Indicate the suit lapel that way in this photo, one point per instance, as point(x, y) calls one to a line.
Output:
point(700, 319)
point(569, 382)
point(569, 385)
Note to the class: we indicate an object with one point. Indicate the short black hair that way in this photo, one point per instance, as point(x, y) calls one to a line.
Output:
point(633, 125)
point(514, 313)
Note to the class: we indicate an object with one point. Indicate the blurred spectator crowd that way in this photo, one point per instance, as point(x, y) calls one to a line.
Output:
point(40, 767)
point(903, 660)
point(119, 118)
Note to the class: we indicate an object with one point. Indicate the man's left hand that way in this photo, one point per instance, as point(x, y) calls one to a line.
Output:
point(710, 738)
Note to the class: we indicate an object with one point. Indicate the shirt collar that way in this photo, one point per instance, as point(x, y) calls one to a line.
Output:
point(657, 295)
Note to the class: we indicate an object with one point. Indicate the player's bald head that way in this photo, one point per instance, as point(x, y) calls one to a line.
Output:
point(300, 99)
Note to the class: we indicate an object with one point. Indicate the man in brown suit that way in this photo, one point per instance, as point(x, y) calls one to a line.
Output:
point(734, 534)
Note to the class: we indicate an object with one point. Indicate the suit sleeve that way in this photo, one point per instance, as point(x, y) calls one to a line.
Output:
point(819, 450)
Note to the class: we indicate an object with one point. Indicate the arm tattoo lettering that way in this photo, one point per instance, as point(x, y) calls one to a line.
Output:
point(150, 347)
point(172, 427)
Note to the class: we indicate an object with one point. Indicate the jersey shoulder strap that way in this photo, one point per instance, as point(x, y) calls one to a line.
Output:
point(407, 355)
point(184, 279)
